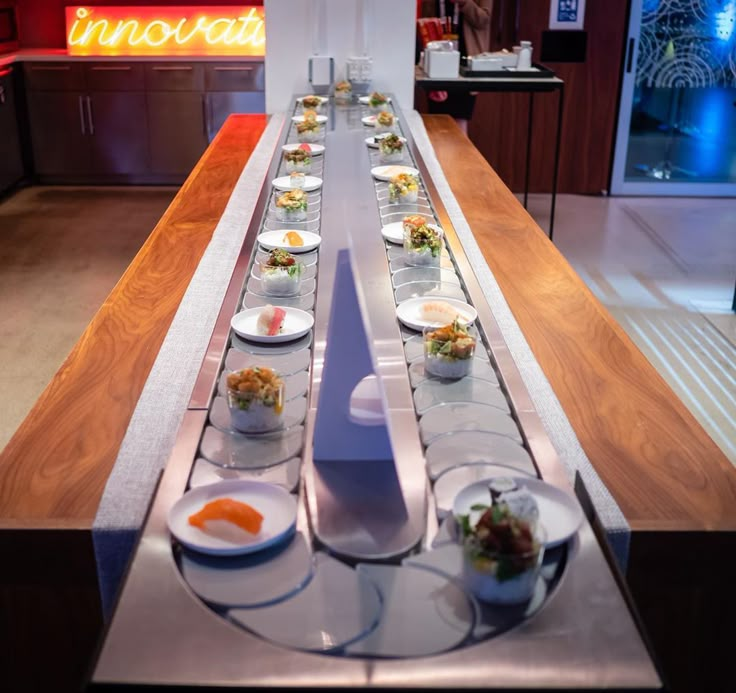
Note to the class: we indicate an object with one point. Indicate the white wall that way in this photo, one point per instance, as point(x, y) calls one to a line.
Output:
point(291, 39)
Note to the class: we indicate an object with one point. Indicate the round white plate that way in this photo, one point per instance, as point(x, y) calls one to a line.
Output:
point(372, 141)
point(275, 239)
point(310, 183)
point(394, 232)
point(559, 513)
point(365, 100)
point(323, 99)
point(275, 503)
point(300, 118)
point(389, 171)
point(314, 148)
point(296, 324)
point(408, 312)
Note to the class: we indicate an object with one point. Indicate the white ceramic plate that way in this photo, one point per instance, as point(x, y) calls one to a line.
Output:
point(322, 99)
point(372, 141)
point(296, 324)
point(300, 118)
point(409, 312)
point(314, 148)
point(388, 172)
point(275, 503)
point(275, 239)
point(559, 513)
point(310, 183)
point(365, 100)
point(394, 232)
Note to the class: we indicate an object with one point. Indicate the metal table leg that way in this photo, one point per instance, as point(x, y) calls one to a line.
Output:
point(528, 147)
point(560, 101)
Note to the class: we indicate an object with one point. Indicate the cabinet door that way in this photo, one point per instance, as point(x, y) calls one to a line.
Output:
point(11, 161)
point(220, 104)
point(176, 131)
point(58, 132)
point(117, 132)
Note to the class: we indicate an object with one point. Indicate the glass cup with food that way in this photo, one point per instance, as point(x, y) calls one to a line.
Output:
point(291, 206)
point(391, 149)
point(256, 398)
point(308, 130)
point(422, 242)
point(298, 160)
point(448, 350)
point(403, 188)
point(281, 274)
point(343, 92)
point(385, 122)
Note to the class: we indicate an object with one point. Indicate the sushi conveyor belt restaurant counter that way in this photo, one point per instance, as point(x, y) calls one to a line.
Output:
point(581, 633)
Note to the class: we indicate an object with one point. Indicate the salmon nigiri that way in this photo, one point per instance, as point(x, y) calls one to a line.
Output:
point(241, 514)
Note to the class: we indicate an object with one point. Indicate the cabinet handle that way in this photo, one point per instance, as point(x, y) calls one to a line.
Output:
point(172, 68)
point(111, 68)
point(233, 69)
point(51, 68)
point(89, 116)
point(2, 94)
point(81, 116)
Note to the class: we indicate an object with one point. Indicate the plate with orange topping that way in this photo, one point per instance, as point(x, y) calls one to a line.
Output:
point(233, 517)
point(287, 239)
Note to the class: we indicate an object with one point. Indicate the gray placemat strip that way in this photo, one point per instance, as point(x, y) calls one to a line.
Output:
point(554, 419)
point(163, 401)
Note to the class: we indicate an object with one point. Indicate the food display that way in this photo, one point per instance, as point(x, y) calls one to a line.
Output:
point(312, 102)
point(228, 519)
point(271, 320)
point(256, 399)
point(293, 239)
point(281, 274)
point(377, 100)
point(502, 555)
point(422, 243)
point(292, 205)
point(448, 350)
point(403, 188)
point(297, 179)
point(299, 159)
point(385, 122)
point(391, 149)
point(309, 130)
point(343, 91)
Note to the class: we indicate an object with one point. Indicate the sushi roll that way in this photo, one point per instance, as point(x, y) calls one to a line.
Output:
point(391, 149)
point(292, 206)
point(448, 351)
point(256, 399)
point(298, 160)
point(422, 245)
point(281, 274)
point(271, 320)
point(404, 188)
point(385, 122)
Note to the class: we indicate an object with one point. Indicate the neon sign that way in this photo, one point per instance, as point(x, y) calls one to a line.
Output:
point(165, 31)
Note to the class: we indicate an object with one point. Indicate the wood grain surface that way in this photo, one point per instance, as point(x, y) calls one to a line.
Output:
point(659, 464)
point(54, 469)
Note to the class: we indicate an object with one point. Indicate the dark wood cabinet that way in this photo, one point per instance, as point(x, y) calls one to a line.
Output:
point(11, 159)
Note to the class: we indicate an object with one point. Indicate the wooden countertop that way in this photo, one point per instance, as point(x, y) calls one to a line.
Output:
point(662, 468)
point(54, 469)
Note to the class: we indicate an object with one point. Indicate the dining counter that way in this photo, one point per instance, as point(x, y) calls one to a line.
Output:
point(675, 488)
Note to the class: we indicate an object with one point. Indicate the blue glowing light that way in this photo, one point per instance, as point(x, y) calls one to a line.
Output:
point(725, 21)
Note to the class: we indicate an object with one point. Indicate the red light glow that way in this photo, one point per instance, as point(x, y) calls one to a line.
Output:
point(166, 31)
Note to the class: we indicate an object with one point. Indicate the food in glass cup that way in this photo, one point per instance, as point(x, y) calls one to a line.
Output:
point(448, 350)
point(343, 91)
point(404, 188)
point(299, 160)
point(385, 122)
point(502, 555)
point(391, 149)
point(377, 100)
point(255, 397)
point(422, 243)
point(281, 274)
point(292, 205)
point(308, 130)
point(297, 179)
point(311, 102)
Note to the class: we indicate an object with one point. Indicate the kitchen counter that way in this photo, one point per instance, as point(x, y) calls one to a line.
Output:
point(674, 486)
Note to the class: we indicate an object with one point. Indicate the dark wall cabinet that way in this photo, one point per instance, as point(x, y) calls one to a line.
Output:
point(132, 122)
point(11, 160)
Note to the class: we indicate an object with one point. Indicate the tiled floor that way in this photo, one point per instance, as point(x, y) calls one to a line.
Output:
point(665, 268)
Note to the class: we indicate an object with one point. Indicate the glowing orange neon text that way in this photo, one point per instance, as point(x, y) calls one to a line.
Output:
point(165, 31)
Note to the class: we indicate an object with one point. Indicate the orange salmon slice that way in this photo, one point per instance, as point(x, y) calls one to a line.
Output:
point(241, 514)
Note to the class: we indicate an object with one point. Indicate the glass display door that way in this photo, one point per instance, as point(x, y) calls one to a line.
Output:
point(677, 117)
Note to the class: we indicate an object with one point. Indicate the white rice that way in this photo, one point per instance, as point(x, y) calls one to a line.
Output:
point(257, 418)
point(277, 282)
point(444, 367)
point(421, 258)
point(283, 214)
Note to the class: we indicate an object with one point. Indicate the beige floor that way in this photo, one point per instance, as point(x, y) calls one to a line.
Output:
point(665, 269)
point(61, 252)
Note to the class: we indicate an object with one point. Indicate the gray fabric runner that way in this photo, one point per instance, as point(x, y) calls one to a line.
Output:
point(163, 401)
point(554, 419)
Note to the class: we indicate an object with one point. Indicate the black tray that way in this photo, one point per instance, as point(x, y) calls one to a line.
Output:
point(542, 72)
